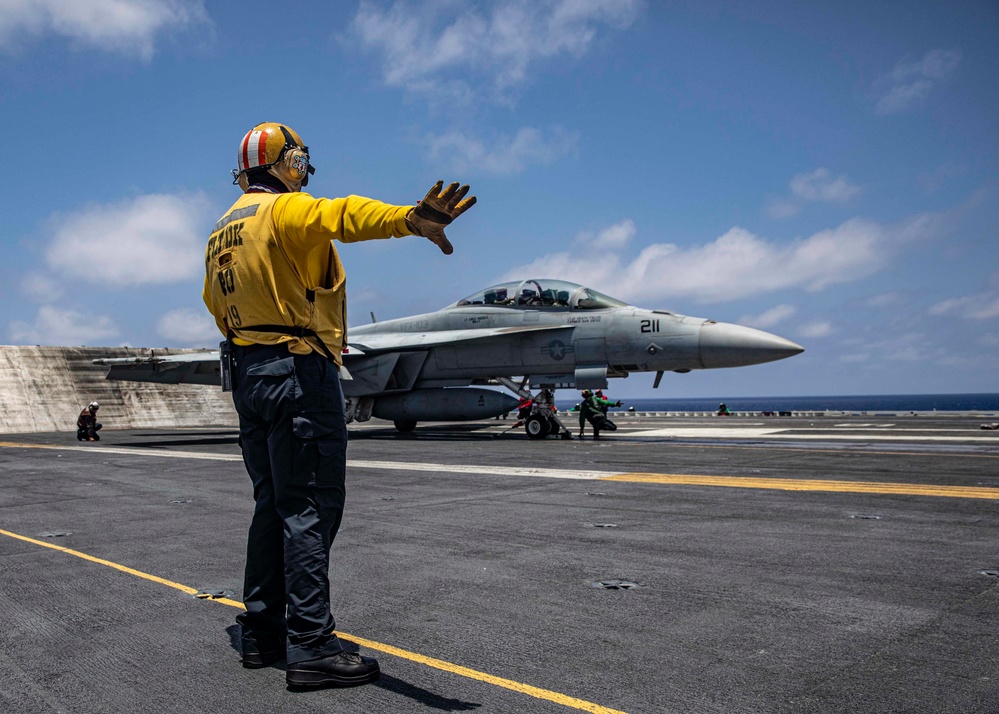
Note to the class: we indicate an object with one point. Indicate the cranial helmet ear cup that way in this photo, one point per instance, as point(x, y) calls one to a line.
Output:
point(293, 168)
point(297, 162)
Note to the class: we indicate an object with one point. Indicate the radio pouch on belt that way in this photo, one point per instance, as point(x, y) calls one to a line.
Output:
point(226, 364)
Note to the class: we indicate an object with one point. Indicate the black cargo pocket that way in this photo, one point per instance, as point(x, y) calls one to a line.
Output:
point(278, 367)
point(319, 453)
point(269, 385)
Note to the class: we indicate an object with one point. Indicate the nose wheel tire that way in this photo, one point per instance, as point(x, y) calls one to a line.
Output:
point(537, 426)
point(404, 426)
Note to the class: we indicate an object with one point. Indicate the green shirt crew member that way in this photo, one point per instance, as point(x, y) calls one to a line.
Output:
point(587, 409)
point(276, 287)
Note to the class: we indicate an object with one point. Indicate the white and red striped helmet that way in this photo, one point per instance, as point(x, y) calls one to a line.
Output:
point(265, 145)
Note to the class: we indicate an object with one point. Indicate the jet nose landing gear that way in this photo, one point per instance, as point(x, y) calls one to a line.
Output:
point(537, 413)
point(538, 426)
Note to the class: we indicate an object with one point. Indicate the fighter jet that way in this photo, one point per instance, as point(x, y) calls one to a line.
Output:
point(525, 335)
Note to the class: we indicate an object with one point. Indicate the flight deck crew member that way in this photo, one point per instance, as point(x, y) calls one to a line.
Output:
point(87, 425)
point(586, 411)
point(275, 285)
point(603, 403)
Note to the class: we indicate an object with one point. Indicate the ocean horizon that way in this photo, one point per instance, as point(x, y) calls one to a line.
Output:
point(988, 401)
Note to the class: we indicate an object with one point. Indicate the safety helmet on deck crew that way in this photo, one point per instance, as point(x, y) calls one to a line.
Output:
point(277, 149)
point(93, 406)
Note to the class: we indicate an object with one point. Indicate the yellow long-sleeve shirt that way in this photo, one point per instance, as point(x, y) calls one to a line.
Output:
point(270, 260)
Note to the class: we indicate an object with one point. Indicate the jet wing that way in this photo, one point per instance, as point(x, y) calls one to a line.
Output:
point(393, 341)
point(203, 367)
point(189, 368)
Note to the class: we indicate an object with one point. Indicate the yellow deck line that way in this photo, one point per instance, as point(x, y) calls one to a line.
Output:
point(791, 484)
point(475, 674)
point(527, 689)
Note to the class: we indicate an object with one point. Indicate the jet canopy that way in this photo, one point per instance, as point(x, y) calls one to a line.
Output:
point(535, 294)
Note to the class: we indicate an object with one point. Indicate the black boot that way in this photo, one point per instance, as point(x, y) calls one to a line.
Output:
point(261, 654)
point(344, 669)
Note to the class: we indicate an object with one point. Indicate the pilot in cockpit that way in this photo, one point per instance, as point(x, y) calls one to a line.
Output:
point(529, 296)
point(502, 298)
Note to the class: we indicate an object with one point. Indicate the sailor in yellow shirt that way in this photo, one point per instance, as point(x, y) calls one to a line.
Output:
point(275, 285)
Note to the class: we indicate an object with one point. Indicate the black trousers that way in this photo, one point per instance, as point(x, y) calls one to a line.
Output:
point(294, 440)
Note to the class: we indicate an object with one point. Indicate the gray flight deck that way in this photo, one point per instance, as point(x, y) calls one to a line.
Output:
point(477, 568)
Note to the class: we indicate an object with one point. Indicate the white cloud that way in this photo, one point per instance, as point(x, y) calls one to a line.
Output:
point(188, 327)
point(855, 358)
point(768, 318)
point(506, 155)
point(151, 239)
point(909, 347)
point(736, 265)
point(125, 26)
point(815, 186)
point(819, 185)
point(949, 306)
point(909, 83)
point(819, 328)
point(615, 236)
point(442, 48)
point(53, 326)
point(987, 310)
point(884, 300)
point(981, 306)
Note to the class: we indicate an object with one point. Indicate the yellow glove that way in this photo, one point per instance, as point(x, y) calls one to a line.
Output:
point(437, 210)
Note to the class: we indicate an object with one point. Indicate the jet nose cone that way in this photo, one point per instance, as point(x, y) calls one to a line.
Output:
point(726, 345)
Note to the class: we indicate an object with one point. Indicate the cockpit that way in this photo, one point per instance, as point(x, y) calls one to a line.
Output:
point(541, 294)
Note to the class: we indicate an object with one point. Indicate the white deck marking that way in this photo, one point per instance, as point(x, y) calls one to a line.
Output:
point(783, 484)
point(351, 463)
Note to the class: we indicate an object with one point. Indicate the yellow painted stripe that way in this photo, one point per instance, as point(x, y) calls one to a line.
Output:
point(22, 445)
point(789, 484)
point(99, 561)
point(527, 689)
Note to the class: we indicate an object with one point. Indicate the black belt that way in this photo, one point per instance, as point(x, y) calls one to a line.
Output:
point(293, 331)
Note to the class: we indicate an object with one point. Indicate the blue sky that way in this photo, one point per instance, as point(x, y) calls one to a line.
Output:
point(824, 171)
